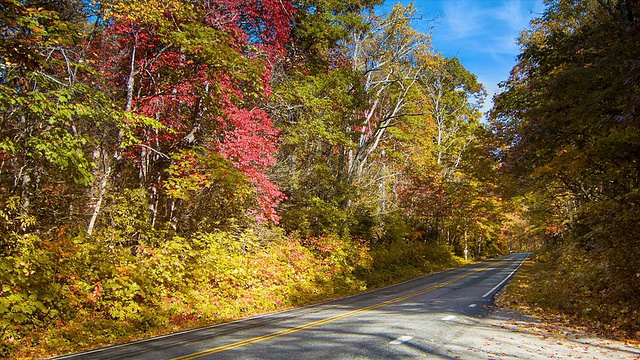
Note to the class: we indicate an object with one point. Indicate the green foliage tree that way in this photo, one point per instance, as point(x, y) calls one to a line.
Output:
point(316, 93)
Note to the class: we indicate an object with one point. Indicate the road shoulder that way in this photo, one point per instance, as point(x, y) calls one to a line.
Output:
point(509, 334)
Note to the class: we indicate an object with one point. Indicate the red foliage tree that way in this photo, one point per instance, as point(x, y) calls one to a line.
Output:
point(202, 70)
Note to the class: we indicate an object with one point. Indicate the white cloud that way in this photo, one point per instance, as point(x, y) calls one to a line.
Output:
point(462, 19)
point(481, 33)
point(484, 25)
point(512, 14)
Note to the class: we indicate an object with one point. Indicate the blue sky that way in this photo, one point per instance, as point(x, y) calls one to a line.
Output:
point(481, 33)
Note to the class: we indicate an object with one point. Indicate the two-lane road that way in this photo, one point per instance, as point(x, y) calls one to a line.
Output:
point(413, 319)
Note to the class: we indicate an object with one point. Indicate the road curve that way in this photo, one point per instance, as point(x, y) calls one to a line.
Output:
point(413, 319)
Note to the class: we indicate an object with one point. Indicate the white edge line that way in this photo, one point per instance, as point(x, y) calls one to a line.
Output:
point(400, 340)
point(505, 280)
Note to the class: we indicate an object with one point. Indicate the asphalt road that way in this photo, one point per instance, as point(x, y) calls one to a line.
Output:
point(439, 316)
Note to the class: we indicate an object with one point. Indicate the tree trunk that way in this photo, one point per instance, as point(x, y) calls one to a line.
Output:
point(99, 153)
point(102, 188)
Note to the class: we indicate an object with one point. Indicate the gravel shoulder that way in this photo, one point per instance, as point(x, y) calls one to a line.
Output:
point(508, 334)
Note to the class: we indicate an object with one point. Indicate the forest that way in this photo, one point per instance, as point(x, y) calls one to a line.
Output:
point(168, 164)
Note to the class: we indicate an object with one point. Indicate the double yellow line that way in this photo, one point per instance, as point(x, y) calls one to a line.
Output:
point(312, 324)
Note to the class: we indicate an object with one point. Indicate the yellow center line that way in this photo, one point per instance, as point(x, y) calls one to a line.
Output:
point(312, 324)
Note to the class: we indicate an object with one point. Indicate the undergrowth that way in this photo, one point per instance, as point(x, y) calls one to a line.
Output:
point(573, 287)
point(71, 293)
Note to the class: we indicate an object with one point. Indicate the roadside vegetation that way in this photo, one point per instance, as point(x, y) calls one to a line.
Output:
point(565, 290)
point(570, 131)
point(83, 294)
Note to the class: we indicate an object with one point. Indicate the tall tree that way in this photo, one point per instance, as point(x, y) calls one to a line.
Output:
point(316, 92)
point(387, 56)
point(202, 70)
point(53, 110)
point(568, 112)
